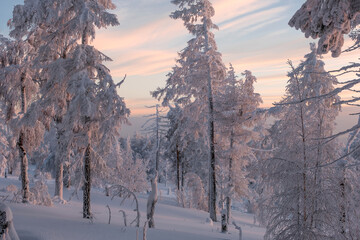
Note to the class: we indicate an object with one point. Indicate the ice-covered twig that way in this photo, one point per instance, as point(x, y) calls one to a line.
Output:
point(124, 216)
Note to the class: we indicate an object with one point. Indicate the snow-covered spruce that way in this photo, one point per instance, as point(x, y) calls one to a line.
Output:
point(235, 107)
point(77, 90)
point(193, 80)
point(328, 20)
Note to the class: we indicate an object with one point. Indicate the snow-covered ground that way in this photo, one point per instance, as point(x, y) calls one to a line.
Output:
point(64, 221)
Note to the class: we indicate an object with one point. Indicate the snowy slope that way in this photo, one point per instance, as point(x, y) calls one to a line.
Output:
point(64, 221)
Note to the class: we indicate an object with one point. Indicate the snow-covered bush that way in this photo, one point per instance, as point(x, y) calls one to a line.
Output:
point(193, 195)
point(133, 175)
point(127, 170)
point(11, 188)
point(39, 194)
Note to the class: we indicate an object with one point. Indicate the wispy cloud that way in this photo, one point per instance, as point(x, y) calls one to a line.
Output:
point(151, 48)
point(252, 20)
point(154, 33)
point(144, 62)
point(226, 10)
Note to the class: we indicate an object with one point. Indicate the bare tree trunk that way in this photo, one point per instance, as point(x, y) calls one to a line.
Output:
point(24, 169)
point(22, 151)
point(182, 175)
point(304, 152)
point(87, 184)
point(343, 203)
point(228, 198)
point(317, 173)
point(177, 167)
point(157, 140)
point(212, 171)
point(228, 210)
point(66, 175)
point(59, 166)
point(224, 224)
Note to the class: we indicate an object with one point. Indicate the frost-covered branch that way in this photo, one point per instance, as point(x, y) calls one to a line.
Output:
point(125, 193)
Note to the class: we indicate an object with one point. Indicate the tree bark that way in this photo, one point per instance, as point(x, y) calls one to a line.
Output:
point(157, 140)
point(230, 186)
point(59, 186)
point(182, 175)
point(177, 167)
point(24, 169)
point(228, 209)
point(87, 183)
point(22, 151)
point(212, 171)
point(59, 171)
point(304, 152)
point(343, 204)
point(66, 176)
point(224, 224)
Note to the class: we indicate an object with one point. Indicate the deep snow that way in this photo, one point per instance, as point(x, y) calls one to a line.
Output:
point(64, 221)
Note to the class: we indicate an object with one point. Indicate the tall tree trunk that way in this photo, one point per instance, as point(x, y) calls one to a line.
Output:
point(67, 177)
point(157, 140)
point(182, 175)
point(317, 173)
point(228, 209)
point(24, 169)
point(230, 186)
point(304, 152)
point(87, 183)
point(59, 166)
point(87, 157)
point(212, 171)
point(22, 150)
point(59, 185)
point(177, 167)
point(342, 203)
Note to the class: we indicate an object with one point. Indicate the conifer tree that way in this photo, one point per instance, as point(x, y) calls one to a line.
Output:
point(236, 104)
point(78, 91)
point(327, 20)
point(198, 72)
point(18, 89)
point(299, 206)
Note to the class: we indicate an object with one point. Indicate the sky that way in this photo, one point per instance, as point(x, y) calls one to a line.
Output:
point(253, 35)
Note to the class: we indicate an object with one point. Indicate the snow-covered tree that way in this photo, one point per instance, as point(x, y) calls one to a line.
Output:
point(78, 91)
point(298, 198)
point(198, 71)
point(173, 137)
point(151, 202)
point(236, 104)
point(328, 20)
point(155, 127)
point(18, 89)
point(131, 171)
point(141, 146)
